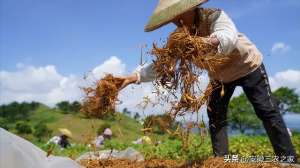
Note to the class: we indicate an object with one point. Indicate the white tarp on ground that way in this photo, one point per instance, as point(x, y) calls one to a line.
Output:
point(129, 154)
point(16, 152)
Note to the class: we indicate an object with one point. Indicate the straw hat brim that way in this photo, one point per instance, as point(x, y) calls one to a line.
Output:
point(66, 132)
point(165, 16)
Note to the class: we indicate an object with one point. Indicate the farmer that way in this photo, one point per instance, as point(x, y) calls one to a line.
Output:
point(244, 69)
point(62, 139)
point(102, 136)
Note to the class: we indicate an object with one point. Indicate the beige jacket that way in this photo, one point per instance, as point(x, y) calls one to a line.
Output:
point(243, 55)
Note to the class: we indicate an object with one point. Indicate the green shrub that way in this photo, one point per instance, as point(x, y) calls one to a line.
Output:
point(116, 144)
point(41, 131)
point(23, 127)
point(4, 123)
point(73, 152)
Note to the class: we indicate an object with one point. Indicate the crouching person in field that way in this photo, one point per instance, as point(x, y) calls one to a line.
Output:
point(102, 135)
point(61, 140)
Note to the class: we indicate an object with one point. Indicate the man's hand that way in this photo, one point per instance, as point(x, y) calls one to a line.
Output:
point(214, 41)
point(128, 80)
point(211, 41)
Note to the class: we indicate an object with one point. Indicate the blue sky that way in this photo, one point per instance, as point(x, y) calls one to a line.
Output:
point(77, 35)
point(46, 46)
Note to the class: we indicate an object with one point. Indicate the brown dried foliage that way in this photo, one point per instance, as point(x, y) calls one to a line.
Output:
point(163, 122)
point(100, 100)
point(178, 65)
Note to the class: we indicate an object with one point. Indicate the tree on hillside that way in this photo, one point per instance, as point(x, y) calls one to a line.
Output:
point(34, 105)
point(288, 99)
point(17, 111)
point(9, 111)
point(137, 116)
point(69, 107)
point(296, 108)
point(4, 123)
point(126, 112)
point(64, 106)
point(41, 131)
point(23, 127)
point(242, 115)
point(75, 106)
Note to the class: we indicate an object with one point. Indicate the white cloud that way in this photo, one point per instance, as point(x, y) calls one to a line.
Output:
point(131, 96)
point(42, 84)
point(113, 65)
point(289, 78)
point(280, 48)
point(46, 85)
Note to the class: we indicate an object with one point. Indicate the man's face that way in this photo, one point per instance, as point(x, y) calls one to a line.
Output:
point(177, 21)
point(186, 19)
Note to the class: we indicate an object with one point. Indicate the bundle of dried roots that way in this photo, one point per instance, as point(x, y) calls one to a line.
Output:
point(100, 100)
point(179, 64)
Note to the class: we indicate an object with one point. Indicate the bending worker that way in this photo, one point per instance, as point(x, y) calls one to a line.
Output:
point(244, 69)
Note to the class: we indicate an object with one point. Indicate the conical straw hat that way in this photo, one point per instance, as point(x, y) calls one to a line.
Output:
point(167, 10)
point(146, 140)
point(66, 132)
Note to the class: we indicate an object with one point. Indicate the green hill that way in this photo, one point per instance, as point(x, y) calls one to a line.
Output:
point(83, 129)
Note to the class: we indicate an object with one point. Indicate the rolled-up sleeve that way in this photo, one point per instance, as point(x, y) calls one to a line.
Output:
point(145, 73)
point(225, 31)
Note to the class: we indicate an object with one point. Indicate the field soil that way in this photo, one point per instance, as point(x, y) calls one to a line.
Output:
point(160, 163)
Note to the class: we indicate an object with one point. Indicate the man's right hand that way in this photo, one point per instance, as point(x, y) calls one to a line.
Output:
point(133, 78)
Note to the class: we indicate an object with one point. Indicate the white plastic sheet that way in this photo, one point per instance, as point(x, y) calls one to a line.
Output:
point(129, 154)
point(16, 152)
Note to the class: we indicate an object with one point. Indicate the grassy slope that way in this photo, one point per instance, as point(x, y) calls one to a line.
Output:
point(83, 129)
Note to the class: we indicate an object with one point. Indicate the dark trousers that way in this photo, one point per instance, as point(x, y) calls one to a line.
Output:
point(257, 89)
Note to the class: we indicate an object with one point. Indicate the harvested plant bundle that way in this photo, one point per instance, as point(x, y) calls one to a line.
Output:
point(178, 66)
point(100, 100)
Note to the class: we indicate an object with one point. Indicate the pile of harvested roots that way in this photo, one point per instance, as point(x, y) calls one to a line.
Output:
point(100, 100)
point(178, 65)
point(161, 163)
point(117, 163)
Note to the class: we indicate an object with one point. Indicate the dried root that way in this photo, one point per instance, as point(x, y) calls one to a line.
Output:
point(100, 100)
point(179, 64)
